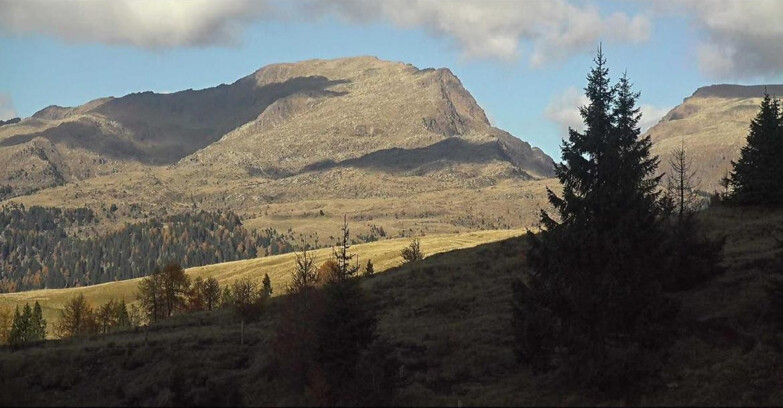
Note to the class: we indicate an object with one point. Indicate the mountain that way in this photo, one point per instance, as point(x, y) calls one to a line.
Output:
point(397, 138)
point(713, 123)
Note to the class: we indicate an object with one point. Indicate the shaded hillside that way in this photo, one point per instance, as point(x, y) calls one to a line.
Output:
point(163, 128)
point(448, 320)
point(713, 122)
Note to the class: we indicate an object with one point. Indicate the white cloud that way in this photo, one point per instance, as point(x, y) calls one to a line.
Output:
point(563, 109)
point(495, 29)
point(7, 110)
point(140, 23)
point(740, 38)
point(651, 115)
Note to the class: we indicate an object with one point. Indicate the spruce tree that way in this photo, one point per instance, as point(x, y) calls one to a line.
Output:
point(37, 323)
point(267, 286)
point(756, 176)
point(344, 268)
point(122, 318)
point(369, 270)
point(19, 328)
point(593, 299)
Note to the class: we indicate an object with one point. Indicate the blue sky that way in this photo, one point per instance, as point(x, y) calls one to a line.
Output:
point(668, 52)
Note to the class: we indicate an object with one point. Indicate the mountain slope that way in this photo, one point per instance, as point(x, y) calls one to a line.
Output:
point(322, 132)
point(713, 123)
point(372, 106)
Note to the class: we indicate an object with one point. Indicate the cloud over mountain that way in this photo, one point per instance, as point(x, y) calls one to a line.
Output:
point(140, 23)
point(495, 29)
point(7, 110)
point(740, 38)
point(563, 109)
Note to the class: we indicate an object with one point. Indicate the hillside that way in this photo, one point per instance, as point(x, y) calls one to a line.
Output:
point(309, 132)
point(385, 255)
point(448, 320)
point(714, 125)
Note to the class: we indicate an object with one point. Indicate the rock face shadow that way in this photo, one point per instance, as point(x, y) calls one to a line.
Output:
point(160, 129)
point(433, 157)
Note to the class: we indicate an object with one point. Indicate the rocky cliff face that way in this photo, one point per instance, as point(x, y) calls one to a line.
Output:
point(369, 106)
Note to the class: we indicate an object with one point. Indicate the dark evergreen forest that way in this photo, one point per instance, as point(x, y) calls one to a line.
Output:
point(42, 247)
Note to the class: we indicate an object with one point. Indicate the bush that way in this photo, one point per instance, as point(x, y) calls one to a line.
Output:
point(412, 252)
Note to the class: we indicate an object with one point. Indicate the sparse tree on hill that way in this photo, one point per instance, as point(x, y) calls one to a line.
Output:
point(227, 297)
point(345, 270)
point(20, 326)
point(267, 286)
point(412, 252)
point(77, 318)
point(175, 287)
point(694, 257)
point(37, 323)
point(593, 302)
point(346, 328)
point(369, 270)
point(122, 318)
point(757, 176)
point(151, 295)
point(248, 298)
point(196, 301)
point(305, 276)
point(105, 317)
point(6, 321)
point(211, 293)
point(681, 181)
point(295, 337)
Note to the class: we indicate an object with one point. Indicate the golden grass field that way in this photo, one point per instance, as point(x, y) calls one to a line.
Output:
point(384, 254)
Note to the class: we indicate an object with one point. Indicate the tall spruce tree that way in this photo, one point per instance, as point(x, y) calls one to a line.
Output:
point(19, 328)
point(593, 300)
point(37, 323)
point(757, 176)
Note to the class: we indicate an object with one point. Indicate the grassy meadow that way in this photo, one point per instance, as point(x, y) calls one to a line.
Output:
point(385, 254)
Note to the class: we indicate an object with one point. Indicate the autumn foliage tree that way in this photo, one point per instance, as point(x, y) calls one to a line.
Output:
point(77, 318)
point(164, 292)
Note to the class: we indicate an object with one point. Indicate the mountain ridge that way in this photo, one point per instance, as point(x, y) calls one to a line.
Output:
point(344, 129)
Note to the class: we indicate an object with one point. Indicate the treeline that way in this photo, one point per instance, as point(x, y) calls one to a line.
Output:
point(41, 248)
point(22, 326)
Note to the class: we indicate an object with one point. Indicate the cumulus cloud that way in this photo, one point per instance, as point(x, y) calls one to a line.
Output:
point(495, 29)
point(563, 109)
point(7, 110)
point(651, 115)
point(740, 38)
point(498, 29)
point(140, 23)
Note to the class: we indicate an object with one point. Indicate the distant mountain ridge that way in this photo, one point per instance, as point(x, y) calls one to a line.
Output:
point(713, 123)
